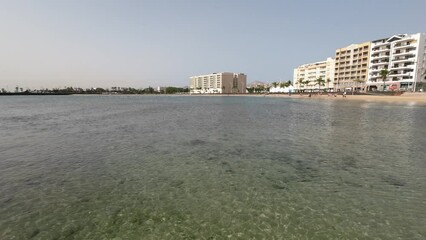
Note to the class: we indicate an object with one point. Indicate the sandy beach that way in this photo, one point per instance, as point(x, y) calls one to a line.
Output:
point(412, 98)
point(418, 98)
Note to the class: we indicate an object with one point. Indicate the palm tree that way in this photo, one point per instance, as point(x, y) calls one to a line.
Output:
point(384, 73)
point(319, 81)
point(300, 82)
point(287, 85)
point(274, 84)
point(328, 84)
point(307, 82)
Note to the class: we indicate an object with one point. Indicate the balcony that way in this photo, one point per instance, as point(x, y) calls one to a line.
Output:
point(377, 57)
point(399, 53)
point(373, 79)
point(399, 74)
point(401, 60)
point(405, 46)
point(401, 41)
point(377, 70)
point(402, 67)
point(380, 50)
point(379, 63)
point(379, 44)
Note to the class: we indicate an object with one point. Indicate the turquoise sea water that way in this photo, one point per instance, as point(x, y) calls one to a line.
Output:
point(164, 167)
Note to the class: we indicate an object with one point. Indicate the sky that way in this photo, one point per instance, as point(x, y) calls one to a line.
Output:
point(104, 43)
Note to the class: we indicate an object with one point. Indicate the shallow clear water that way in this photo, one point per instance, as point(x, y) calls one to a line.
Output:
point(154, 167)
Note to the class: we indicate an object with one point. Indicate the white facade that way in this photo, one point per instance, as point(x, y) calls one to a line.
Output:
point(312, 71)
point(224, 82)
point(279, 89)
point(404, 56)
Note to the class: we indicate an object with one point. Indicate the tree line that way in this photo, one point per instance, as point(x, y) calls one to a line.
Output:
point(114, 90)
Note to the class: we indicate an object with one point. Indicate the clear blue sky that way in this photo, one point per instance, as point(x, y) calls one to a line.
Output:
point(157, 43)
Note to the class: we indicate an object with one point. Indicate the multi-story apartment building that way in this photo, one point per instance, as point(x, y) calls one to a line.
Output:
point(351, 68)
point(224, 82)
point(311, 72)
point(404, 57)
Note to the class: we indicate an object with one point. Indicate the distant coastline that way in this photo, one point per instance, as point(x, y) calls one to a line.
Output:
point(30, 94)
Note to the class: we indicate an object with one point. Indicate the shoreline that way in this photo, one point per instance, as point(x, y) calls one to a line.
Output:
point(412, 98)
point(407, 97)
point(419, 98)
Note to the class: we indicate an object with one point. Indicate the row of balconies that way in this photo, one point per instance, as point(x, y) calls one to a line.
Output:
point(348, 67)
point(377, 69)
point(379, 44)
point(393, 73)
point(359, 61)
point(365, 55)
point(403, 43)
point(345, 75)
point(409, 46)
point(378, 56)
point(383, 60)
point(394, 79)
point(360, 55)
point(351, 67)
point(348, 52)
point(406, 65)
point(410, 58)
point(353, 62)
point(404, 53)
point(381, 49)
point(350, 73)
point(348, 78)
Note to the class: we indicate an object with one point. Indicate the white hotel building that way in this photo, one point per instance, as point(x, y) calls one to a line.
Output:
point(312, 71)
point(224, 82)
point(404, 56)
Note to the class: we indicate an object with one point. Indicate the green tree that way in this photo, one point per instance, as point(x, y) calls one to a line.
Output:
point(250, 90)
point(300, 83)
point(384, 73)
point(274, 84)
point(260, 88)
point(320, 82)
point(306, 83)
point(149, 90)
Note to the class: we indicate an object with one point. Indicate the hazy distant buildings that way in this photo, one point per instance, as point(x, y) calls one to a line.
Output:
point(403, 56)
point(161, 89)
point(224, 82)
point(258, 84)
point(351, 69)
point(305, 75)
